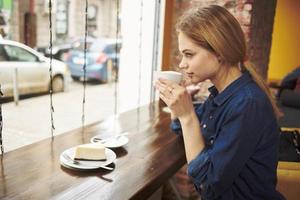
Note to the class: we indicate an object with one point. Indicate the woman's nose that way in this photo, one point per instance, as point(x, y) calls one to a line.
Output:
point(182, 64)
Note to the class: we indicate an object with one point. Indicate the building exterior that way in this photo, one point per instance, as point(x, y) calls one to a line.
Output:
point(5, 11)
point(31, 20)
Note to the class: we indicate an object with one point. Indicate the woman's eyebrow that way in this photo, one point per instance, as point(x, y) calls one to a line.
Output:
point(185, 50)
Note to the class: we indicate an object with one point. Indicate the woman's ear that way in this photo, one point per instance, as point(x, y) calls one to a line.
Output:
point(218, 58)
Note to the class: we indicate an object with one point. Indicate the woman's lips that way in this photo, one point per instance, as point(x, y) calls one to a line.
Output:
point(190, 75)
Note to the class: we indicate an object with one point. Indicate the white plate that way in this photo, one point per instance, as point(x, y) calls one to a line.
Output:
point(113, 142)
point(86, 164)
point(166, 109)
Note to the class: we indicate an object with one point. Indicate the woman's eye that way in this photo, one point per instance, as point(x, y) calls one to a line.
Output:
point(188, 55)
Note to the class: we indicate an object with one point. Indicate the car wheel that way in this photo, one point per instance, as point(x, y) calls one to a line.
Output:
point(57, 84)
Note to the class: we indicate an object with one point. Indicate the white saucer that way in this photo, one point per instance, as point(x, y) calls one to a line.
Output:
point(86, 164)
point(166, 109)
point(113, 142)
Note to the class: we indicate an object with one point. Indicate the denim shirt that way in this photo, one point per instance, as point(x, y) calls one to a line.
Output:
point(241, 136)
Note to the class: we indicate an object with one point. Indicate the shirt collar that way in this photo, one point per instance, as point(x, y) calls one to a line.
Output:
point(219, 99)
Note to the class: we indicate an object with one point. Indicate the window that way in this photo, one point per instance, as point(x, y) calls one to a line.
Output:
point(97, 46)
point(3, 56)
point(79, 45)
point(111, 48)
point(18, 54)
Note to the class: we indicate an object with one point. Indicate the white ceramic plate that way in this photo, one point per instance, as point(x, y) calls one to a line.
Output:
point(113, 142)
point(166, 109)
point(86, 164)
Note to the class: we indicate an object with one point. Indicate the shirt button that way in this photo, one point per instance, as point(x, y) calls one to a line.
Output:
point(210, 117)
point(211, 141)
point(204, 125)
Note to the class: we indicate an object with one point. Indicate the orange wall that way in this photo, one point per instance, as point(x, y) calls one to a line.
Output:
point(285, 49)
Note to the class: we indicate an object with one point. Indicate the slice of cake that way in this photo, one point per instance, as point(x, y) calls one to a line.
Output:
point(92, 151)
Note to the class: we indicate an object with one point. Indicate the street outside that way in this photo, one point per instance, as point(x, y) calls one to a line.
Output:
point(30, 121)
point(24, 28)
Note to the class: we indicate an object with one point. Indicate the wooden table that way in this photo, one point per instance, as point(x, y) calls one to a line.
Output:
point(151, 157)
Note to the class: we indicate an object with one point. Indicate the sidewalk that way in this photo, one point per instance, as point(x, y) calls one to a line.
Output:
point(30, 122)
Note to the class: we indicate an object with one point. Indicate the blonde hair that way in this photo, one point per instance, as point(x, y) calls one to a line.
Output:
point(217, 30)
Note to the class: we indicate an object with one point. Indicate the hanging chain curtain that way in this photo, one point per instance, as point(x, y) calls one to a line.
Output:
point(84, 66)
point(156, 45)
point(117, 60)
point(50, 69)
point(1, 145)
point(140, 53)
point(84, 70)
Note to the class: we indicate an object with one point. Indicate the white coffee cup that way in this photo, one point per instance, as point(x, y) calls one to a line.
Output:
point(169, 75)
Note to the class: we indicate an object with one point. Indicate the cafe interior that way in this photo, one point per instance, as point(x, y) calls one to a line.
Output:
point(144, 159)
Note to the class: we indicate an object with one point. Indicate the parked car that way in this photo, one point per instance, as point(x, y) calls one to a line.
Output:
point(32, 70)
point(59, 50)
point(101, 60)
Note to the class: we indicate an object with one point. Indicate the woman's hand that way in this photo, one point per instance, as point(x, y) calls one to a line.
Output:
point(176, 97)
point(179, 101)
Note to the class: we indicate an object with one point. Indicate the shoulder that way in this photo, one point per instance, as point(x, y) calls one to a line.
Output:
point(251, 94)
point(251, 101)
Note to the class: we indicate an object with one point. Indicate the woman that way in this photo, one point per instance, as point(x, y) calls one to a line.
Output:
point(231, 141)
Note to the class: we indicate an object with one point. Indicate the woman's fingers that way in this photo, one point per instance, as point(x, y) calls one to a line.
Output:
point(167, 87)
point(164, 88)
point(165, 99)
point(166, 91)
point(161, 87)
point(175, 96)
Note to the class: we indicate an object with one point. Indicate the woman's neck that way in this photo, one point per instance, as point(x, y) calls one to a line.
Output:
point(225, 77)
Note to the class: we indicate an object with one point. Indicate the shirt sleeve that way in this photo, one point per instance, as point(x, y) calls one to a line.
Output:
point(176, 127)
point(214, 169)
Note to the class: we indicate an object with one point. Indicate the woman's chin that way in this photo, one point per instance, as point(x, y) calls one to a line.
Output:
point(195, 80)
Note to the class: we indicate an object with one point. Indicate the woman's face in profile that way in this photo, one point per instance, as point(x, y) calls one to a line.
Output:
point(197, 63)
